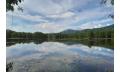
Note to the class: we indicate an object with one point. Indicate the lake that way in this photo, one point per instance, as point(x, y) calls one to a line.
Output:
point(59, 56)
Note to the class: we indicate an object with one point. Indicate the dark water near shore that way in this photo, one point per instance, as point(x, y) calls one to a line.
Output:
point(60, 56)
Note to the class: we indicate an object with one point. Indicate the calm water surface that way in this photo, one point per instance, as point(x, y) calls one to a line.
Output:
point(59, 57)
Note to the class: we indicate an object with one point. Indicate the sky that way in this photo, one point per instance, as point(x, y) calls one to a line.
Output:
point(52, 16)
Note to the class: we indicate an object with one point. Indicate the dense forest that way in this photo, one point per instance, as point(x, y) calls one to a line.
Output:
point(89, 34)
point(96, 33)
point(24, 35)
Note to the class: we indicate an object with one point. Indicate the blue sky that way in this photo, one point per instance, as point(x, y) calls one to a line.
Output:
point(57, 15)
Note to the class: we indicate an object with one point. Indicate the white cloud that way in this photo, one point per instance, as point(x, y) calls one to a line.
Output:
point(67, 14)
point(52, 6)
point(95, 24)
point(93, 13)
point(57, 15)
point(49, 27)
point(27, 17)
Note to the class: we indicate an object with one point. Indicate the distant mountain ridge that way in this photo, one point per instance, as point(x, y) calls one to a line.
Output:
point(71, 31)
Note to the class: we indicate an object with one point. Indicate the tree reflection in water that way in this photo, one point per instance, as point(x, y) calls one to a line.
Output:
point(9, 66)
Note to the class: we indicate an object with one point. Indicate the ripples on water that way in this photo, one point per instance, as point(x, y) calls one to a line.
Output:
point(59, 57)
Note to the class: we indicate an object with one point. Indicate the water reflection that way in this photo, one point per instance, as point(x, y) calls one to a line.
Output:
point(108, 43)
point(59, 57)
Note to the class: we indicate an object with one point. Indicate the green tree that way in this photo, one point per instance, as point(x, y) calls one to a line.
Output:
point(11, 3)
point(105, 1)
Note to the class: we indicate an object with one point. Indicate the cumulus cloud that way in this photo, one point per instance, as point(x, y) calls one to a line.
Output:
point(57, 15)
point(49, 27)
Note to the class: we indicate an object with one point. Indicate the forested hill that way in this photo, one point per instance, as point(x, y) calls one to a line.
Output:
point(70, 31)
point(96, 33)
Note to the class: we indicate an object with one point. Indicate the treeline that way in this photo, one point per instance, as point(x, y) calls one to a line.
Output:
point(90, 34)
point(25, 35)
point(97, 33)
